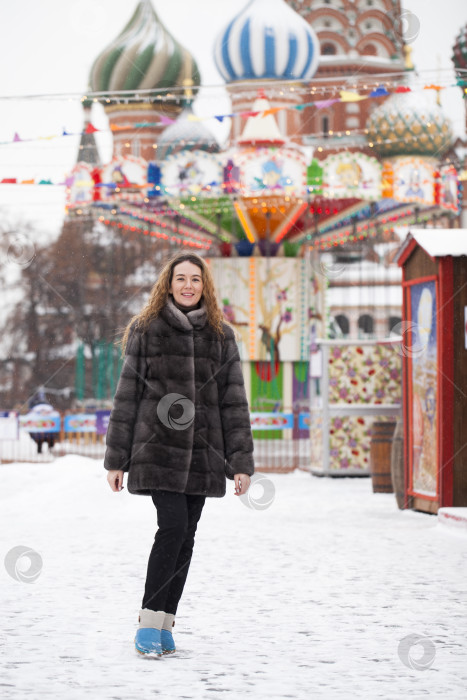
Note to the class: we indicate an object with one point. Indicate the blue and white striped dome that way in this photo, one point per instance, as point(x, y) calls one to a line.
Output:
point(267, 40)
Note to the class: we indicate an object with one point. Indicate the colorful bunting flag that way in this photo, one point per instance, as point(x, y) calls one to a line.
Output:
point(348, 96)
point(322, 104)
point(345, 96)
point(380, 92)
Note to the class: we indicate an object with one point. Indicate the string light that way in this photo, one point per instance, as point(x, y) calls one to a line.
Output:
point(243, 88)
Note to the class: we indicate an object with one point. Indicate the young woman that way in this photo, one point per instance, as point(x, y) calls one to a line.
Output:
point(179, 426)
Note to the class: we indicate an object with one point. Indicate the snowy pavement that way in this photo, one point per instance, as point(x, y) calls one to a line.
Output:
point(318, 595)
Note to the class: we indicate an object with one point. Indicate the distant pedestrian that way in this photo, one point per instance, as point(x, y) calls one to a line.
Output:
point(41, 410)
point(179, 426)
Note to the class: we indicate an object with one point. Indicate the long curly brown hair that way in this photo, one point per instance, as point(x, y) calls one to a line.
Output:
point(160, 293)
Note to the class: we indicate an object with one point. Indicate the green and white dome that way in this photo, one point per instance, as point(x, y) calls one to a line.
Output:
point(143, 56)
point(409, 123)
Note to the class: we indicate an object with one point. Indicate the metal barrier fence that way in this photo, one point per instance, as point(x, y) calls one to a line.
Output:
point(281, 443)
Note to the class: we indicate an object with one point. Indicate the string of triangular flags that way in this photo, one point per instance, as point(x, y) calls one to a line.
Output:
point(344, 96)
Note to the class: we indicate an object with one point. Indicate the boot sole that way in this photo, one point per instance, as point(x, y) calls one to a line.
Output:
point(149, 654)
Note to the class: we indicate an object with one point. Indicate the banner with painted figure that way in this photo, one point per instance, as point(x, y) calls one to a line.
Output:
point(80, 423)
point(232, 282)
point(102, 421)
point(191, 173)
point(267, 171)
point(270, 302)
point(80, 185)
point(123, 171)
point(352, 175)
point(414, 180)
point(423, 389)
point(279, 314)
point(449, 194)
point(271, 421)
point(41, 419)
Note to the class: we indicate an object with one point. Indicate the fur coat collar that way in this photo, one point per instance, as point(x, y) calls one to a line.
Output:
point(196, 318)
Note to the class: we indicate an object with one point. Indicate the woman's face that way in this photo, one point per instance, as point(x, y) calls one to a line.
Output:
point(187, 283)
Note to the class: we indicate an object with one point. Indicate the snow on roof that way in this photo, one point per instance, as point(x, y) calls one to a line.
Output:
point(438, 242)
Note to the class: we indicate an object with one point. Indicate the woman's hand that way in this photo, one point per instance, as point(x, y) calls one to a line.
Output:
point(115, 479)
point(242, 482)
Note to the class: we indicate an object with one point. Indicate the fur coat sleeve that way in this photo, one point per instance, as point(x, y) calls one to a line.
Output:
point(130, 387)
point(234, 411)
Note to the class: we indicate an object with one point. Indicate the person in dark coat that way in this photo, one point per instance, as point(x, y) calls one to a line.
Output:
point(179, 426)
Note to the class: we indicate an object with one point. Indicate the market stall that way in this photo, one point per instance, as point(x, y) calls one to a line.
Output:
point(434, 264)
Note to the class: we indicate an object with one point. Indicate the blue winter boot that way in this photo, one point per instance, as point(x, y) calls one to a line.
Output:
point(148, 635)
point(167, 641)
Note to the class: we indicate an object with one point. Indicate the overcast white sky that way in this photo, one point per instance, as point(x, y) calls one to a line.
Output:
point(48, 46)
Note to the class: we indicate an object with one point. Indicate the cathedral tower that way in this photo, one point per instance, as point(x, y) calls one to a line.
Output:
point(362, 41)
point(144, 56)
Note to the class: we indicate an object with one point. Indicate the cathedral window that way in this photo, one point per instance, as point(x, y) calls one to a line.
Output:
point(365, 325)
point(329, 50)
point(343, 323)
point(394, 323)
point(370, 50)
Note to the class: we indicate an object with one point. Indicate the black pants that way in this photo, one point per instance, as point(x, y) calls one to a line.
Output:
point(177, 518)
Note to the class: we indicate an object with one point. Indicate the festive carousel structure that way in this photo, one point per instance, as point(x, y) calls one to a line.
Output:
point(300, 239)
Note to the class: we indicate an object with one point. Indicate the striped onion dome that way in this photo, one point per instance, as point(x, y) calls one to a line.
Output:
point(409, 124)
point(143, 56)
point(459, 50)
point(185, 135)
point(267, 39)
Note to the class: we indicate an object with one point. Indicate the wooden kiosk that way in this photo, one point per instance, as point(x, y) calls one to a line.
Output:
point(434, 376)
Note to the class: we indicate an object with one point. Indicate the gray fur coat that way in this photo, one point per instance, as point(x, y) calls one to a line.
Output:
point(180, 419)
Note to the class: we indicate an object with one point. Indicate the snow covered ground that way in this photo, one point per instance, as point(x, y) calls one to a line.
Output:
point(318, 595)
